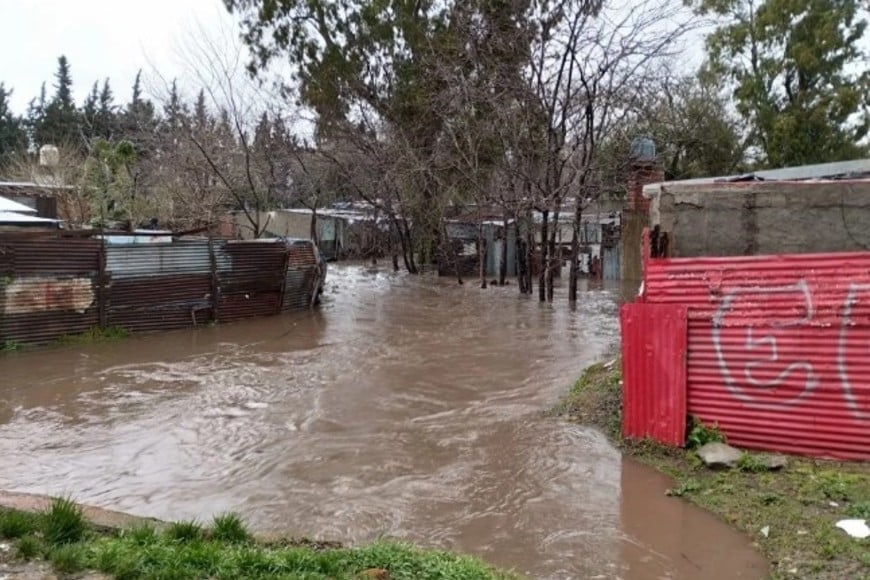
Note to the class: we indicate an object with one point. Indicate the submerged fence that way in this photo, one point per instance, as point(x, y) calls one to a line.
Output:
point(775, 350)
point(51, 286)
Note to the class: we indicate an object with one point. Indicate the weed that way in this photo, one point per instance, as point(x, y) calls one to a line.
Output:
point(700, 434)
point(684, 488)
point(29, 548)
point(751, 464)
point(185, 531)
point(859, 510)
point(230, 528)
point(120, 560)
point(64, 522)
point(142, 535)
point(769, 498)
point(10, 346)
point(68, 559)
point(94, 335)
point(15, 524)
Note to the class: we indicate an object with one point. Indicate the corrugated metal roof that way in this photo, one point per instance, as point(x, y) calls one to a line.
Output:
point(11, 217)
point(857, 169)
point(779, 347)
point(7, 205)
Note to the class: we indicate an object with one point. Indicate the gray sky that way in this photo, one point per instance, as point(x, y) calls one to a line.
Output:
point(101, 38)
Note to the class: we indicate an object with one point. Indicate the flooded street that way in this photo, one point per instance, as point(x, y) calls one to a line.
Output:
point(405, 407)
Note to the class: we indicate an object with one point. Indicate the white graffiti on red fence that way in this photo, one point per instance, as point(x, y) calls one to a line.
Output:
point(762, 347)
point(842, 359)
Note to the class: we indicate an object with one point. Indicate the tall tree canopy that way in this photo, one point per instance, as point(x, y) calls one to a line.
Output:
point(800, 77)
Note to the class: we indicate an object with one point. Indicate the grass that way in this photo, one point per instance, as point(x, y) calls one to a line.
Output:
point(801, 503)
point(225, 550)
point(230, 528)
point(63, 522)
point(94, 335)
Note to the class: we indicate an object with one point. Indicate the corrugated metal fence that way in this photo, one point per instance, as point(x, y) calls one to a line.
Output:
point(778, 348)
point(56, 286)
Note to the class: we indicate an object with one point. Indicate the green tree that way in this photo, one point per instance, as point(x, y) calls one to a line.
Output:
point(60, 122)
point(13, 138)
point(110, 183)
point(800, 78)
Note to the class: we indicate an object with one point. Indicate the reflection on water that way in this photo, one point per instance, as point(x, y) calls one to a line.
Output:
point(408, 407)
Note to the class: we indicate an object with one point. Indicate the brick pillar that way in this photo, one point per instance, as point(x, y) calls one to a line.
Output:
point(635, 216)
point(642, 173)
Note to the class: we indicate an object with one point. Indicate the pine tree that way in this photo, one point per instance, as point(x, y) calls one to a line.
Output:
point(60, 124)
point(106, 114)
point(89, 111)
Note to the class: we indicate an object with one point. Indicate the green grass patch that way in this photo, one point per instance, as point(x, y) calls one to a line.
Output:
point(68, 559)
point(226, 550)
point(29, 547)
point(230, 528)
point(186, 531)
point(15, 524)
point(64, 522)
point(800, 503)
point(94, 335)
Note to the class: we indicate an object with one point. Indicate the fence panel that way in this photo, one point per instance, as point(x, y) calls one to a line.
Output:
point(654, 372)
point(779, 347)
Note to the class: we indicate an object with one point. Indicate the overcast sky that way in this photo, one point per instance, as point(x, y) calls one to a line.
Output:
point(114, 38)
point(101, 38)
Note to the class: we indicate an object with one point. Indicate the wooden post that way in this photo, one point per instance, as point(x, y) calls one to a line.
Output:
point(102, 286)
point(215, 281)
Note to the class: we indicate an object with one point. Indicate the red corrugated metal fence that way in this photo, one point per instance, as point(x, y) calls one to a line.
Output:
point(654, 372)
point(778, 347)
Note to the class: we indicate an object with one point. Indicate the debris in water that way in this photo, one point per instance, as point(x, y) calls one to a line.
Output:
point(765, 531)
point(855, 528)
point(833, 504)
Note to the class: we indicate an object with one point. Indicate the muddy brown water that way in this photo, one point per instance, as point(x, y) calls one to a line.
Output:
point(405, 407)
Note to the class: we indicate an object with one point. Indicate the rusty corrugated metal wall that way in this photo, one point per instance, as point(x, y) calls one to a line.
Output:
point(53, 285)
point(778, 347)
point(654, 376)
point(48, 287)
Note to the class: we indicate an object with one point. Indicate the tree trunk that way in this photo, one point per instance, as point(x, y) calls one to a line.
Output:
point(551, 251)
point(542, 279)
point(481, 254)
point(521, 262)
point(313, 227)
point(529, 252)
point(502, 267)
point(575, 255)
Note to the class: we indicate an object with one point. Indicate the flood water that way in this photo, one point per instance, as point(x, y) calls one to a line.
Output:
point(405, 407)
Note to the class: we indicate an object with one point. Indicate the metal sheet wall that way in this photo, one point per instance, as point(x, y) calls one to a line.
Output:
point(52, 286)
point(779, 347)
point(48, 287)
point(654, 377)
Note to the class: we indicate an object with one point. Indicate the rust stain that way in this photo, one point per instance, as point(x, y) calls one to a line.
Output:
point(41, 294)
